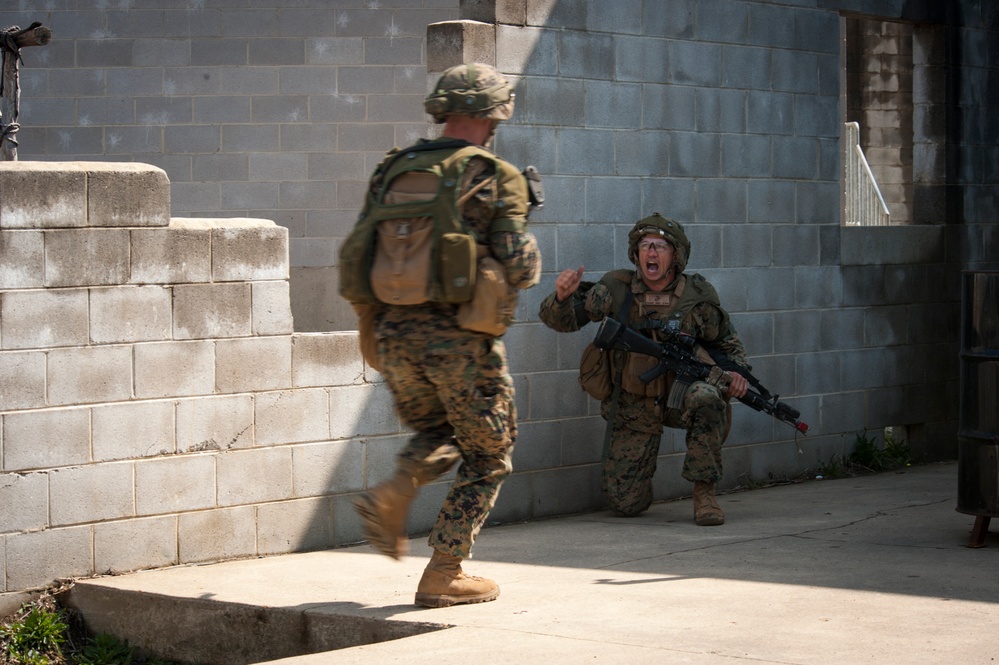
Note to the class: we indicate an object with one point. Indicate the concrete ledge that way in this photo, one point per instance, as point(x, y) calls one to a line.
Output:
point(882, 245)
point(47, 195)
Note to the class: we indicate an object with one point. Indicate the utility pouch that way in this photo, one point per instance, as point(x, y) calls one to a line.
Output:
point(401, 269)
point(490, 310)
point(457, 266)
point(595, 372)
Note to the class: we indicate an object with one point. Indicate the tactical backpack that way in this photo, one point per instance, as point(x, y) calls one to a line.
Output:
point(410, 245)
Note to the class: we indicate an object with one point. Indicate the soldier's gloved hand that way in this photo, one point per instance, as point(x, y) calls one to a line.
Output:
point(567, 282)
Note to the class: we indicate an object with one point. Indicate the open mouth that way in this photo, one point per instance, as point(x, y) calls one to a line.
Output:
point(652, 268)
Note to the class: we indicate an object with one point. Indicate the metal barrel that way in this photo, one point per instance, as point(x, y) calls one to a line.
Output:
point(978, 434)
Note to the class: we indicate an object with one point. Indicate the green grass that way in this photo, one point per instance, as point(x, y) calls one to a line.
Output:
point(43, 633)
point(868, 456)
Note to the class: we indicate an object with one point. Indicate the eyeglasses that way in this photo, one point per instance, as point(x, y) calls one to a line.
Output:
point(660, 246)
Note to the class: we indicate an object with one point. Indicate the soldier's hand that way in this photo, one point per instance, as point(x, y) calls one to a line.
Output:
point(738, 385)
point(567, 282)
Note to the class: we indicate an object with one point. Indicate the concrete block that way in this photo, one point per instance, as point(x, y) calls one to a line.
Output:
point(362, 410)
point(292, 416)
point(211, 310)
point(86, 257)
point(721, 21)
point(350, 137)
point(771, 201)
point(162, 52)
point(240, 197)
point(91, 493)
point(614, 199)
point(214, 535)
point(36, 560)
point(253, 476)
point(220, 167)
point(109, 110)
point(795, 71)
point(620, 18)
point(174, 369)
point(526, 50)
point(22, 259)
point(22, 380)
point(224, 108)
point(332, 51)
point(294, 526)
point(586, 55)
point(271, 308)
point(174, 484)
point(817, 287)
point(121, 547)
point(277, 51)
point(693, 154)
point(46, 438)
point(132, 430)
point(89, 375)
point(721, 200)
point(215, 423)
point(144, 141)
point(641, 59)
point(42, 195)
point(585, 151)
point(207, 52)
point(250, 365)
point(548, 398)
point(769, 113)
point(747, 245)
point(388, 51)
point(328, 467)
point(130, 314)
point(178, 254)
point(721, 110)
point(613, 104)
point(451, 43)
point(695, 63)
point(798, 332)
point(192, 138)
point(250, 138)
point(25, 498)
point(771, 26)
point(326, 359)
point(249, 249)
point(745, 155)
point(269, 166)
point(43, 319)
point(798, 157)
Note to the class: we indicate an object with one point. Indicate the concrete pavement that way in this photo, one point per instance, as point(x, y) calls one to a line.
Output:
point(866, 569)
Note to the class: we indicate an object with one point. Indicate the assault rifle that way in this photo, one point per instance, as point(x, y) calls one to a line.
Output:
point(677, 354)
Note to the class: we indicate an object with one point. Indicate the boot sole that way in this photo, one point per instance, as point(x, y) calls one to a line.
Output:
point(710, 521)
point(437, 600)
point(371, 524)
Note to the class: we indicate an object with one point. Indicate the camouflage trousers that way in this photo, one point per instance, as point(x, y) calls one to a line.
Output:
point(456, 394)
point(630, 462)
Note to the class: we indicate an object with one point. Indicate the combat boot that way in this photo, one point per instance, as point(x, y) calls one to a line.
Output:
point(707, 512)
point(444, 584)
point(383, 510)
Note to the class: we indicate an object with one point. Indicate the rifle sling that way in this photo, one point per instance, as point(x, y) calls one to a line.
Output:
point(616, 382)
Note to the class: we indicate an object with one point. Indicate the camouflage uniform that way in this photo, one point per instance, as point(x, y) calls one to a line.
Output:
point(630, 461)
point(452, 386)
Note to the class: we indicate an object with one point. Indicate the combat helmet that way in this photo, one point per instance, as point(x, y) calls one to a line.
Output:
point(471, 89)
point(668, 229)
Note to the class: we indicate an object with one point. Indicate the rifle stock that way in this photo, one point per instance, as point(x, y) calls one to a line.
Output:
point(677, 354)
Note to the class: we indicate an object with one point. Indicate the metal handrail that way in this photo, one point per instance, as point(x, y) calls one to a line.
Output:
point(864, 204)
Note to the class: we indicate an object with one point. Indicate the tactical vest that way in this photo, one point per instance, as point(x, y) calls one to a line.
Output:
point(693, 289)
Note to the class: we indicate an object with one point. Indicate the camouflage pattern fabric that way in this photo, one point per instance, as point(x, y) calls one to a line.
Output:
point(630, 463)
point(455, 388)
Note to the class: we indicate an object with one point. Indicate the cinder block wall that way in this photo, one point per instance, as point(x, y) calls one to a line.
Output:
point(155, 406)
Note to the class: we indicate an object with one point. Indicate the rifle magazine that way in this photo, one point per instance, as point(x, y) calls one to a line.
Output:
point(677, 393)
